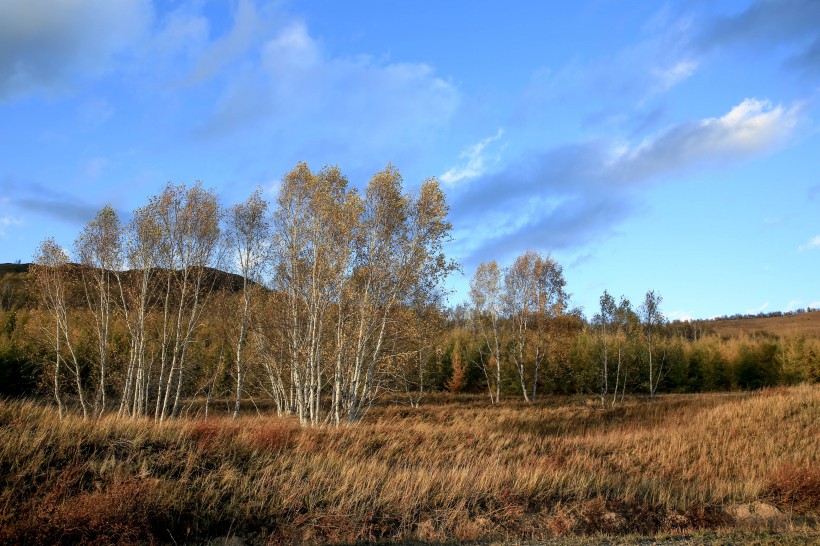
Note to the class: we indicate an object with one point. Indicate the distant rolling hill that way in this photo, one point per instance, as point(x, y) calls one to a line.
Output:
point(806, 324)
point(14, 289)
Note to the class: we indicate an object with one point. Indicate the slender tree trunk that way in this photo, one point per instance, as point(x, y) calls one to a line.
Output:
point(240, 376)
point(651, 374)
point(537, 364)
point(57, 396)
point(617, 376)
point(63, 316)
point(164, 346)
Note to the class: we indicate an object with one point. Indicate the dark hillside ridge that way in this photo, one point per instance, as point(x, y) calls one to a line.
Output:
point(15, 292)
point(13, 268)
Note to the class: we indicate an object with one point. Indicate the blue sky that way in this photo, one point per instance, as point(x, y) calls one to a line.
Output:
point(646, 145)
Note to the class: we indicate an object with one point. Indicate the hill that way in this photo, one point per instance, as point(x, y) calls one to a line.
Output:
point(13, 279)
point(14, 283)
point(805, 324)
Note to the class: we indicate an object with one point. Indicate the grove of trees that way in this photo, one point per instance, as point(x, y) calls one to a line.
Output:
point(327, 298)
point(313, 312)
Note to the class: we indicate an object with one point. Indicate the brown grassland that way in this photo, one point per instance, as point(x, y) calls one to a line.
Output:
point(798, 324)
point(454, 469)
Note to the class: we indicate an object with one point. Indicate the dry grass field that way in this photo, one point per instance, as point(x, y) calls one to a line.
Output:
point(456, 469)
point(800, 324)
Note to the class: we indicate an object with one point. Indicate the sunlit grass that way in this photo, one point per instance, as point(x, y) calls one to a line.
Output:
point(462, 470)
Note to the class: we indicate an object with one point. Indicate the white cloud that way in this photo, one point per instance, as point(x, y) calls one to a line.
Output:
point(621, 88)
point(682, 316)
point(752, 127)
point(180, 39)
point(292, 52)
point(247, 28)
point(794, 304)
point(591, 184)
point(476, 161)
point(675, 74)
point(753, 124)
point(811, 244)
point(758, 309)
point(343, 101)
point(7, 221)
point(272, 187)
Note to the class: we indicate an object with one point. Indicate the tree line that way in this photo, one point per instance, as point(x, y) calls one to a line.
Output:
point(335, 298)
point(621, 349)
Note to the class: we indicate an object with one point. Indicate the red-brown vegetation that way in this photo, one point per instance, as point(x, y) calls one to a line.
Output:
point(455, 469)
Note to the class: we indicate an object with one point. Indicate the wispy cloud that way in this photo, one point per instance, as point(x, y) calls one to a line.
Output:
point(357, 102)
point(622, 88)
point(475, 161)
point(669, 77)
point(791, 27)
point(45, 45)
point(41, 200)
point(561, 197)
point(6, 222)
point(72, 211)
point(682, 316)
point(811, 244)
point(757, 310)
point(248, 27)
point(753, 126)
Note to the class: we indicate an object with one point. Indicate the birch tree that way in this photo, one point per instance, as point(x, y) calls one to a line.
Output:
point(534, 293)
point(604, 322)
point(247, 233)
point(99, 252)
point(399, 256)
point(54, 277)
point(188, 221)
point(652, 321)
point(48, 273)
point(519, 303)
point(626, 328)
point(142, 242)
point(314, 227)
point(486, 293)
point(268, 341)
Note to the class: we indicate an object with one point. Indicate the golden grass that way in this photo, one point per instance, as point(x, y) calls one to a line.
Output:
point(800, 324)
point(454, 471)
